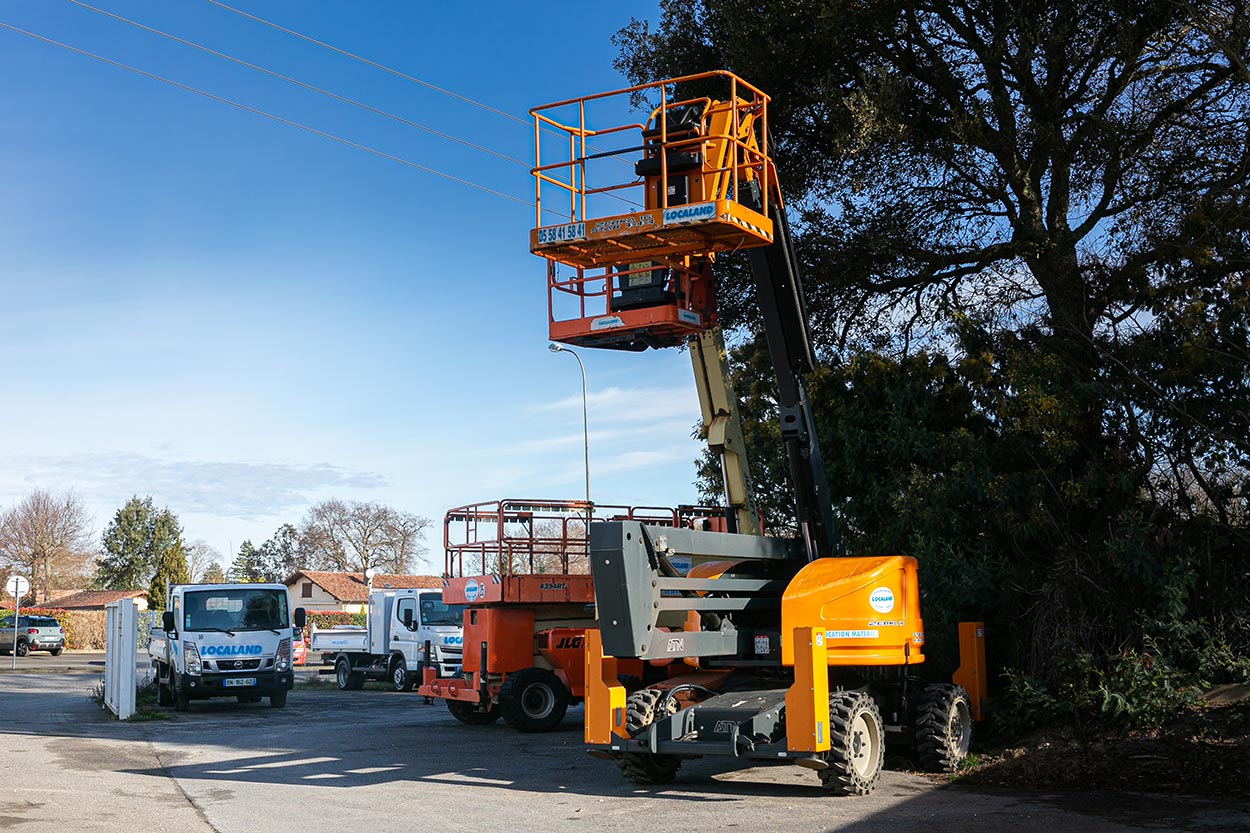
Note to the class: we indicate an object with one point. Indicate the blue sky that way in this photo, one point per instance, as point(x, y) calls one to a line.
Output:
point(240, 318)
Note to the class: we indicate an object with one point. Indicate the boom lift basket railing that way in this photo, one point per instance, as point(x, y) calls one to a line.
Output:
point(700, 185)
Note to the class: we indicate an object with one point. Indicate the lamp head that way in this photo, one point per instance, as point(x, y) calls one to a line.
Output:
point(555, 348)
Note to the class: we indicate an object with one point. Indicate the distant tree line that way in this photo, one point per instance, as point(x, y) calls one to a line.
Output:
point(48, 538)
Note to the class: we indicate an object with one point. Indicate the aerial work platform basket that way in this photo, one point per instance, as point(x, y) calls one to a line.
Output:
point(643, 207)
point(524, 551)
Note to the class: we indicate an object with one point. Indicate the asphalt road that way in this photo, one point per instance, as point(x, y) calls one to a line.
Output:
point(368, 760)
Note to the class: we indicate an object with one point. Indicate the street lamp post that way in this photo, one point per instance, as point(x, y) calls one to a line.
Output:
point(560, 348)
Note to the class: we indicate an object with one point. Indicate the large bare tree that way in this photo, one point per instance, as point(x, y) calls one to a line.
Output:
point(47, 537)
point(355, 536)
point(200, 554)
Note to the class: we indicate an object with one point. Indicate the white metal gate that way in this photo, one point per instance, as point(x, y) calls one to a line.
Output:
point(120, 639)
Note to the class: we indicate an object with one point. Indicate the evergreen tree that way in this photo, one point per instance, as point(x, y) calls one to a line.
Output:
point(280, 556)
point(247, 564)
point(171, 569)
point(133, 544)
point(213, 574)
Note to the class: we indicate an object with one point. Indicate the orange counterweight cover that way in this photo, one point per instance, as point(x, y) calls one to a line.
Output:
point(869, 609)
point(509, 637)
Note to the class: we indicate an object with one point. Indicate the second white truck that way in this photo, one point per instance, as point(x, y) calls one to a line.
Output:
point(392, 646)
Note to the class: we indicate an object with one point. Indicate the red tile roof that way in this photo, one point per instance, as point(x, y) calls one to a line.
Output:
point(351, 588)
point(93, 599)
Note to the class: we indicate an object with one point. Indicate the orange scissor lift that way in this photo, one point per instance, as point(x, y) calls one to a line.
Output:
point(520, 568)
point(783, 651)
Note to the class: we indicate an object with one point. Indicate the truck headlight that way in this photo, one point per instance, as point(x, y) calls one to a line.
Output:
point(192, 663)
point(283, 660)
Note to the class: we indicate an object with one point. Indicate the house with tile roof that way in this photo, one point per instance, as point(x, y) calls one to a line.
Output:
point(97, 599)
point(319, 591)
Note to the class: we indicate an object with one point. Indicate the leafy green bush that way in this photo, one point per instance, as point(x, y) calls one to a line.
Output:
point(333, 619)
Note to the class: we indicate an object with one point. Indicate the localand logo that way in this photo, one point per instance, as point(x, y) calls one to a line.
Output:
point(472, 590)
point(453, 640)
point(230, 650)
point(882, 599)
point(689, 213)
point(607, 322)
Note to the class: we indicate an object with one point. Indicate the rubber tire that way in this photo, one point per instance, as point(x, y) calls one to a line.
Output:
point(847, 745)
point(22, 648)
point(400, 680)
point(533, 682)
point(182, 702)
point(164, 693)
point(347, 679)
point(277, 700)
point(56, 652)
point(468, 713)
point(943, 727)
point(642, 708)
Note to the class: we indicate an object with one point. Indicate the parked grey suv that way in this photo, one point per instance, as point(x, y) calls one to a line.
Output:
point(34, 633)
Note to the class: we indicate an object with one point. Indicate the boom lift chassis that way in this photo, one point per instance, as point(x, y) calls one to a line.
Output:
point(791, 653)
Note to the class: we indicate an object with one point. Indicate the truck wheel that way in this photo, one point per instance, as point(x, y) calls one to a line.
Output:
point(471, 715)
point(856, 744)
point(277, 700)
point(533, 700)
point(22, 649)
point(164, 696)
point(642, 708)
point(347, 679)
point(182, 701)
point(943, 727)
point(399, 675)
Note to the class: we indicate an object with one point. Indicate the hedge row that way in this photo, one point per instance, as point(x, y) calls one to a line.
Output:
point(84, 629)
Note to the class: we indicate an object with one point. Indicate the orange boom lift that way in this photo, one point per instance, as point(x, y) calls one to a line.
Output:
point(787, 649)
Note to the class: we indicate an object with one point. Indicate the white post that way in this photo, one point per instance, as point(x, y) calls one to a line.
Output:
point(120, 638)
point(17, 587)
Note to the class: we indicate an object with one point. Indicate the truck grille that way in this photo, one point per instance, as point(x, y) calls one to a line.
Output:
point(238, 664)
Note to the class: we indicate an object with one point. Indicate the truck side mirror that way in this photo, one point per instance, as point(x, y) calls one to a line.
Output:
point(407, 617)
point(167, 621)
point(301, 617)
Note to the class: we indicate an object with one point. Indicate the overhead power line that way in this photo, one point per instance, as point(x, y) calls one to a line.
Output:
point(406, 77)
point(374, 64)
point(299, 83)
point(270, 116)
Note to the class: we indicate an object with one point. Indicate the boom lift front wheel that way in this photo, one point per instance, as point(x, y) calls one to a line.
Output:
point(856, 744)
point(642, 708)
point(533, 700)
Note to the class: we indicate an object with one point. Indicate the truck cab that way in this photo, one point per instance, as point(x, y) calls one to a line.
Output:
point(225, 640)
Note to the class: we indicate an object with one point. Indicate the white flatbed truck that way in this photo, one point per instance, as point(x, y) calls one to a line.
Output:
point(225, 640)
point(402, 624)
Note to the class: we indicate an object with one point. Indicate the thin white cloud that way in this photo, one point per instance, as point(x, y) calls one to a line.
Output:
point(629, 404)
point(224, 488)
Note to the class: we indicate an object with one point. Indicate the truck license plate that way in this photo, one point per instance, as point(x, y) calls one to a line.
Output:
point(239, 681)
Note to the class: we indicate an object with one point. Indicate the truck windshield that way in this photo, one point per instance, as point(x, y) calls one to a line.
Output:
point(235, 609)
point(434, 612)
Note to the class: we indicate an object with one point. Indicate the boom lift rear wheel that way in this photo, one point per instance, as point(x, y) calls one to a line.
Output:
point(533, 700)
point(470, 715)
point(643, 708)
point(943, 727)
point(856, 744)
